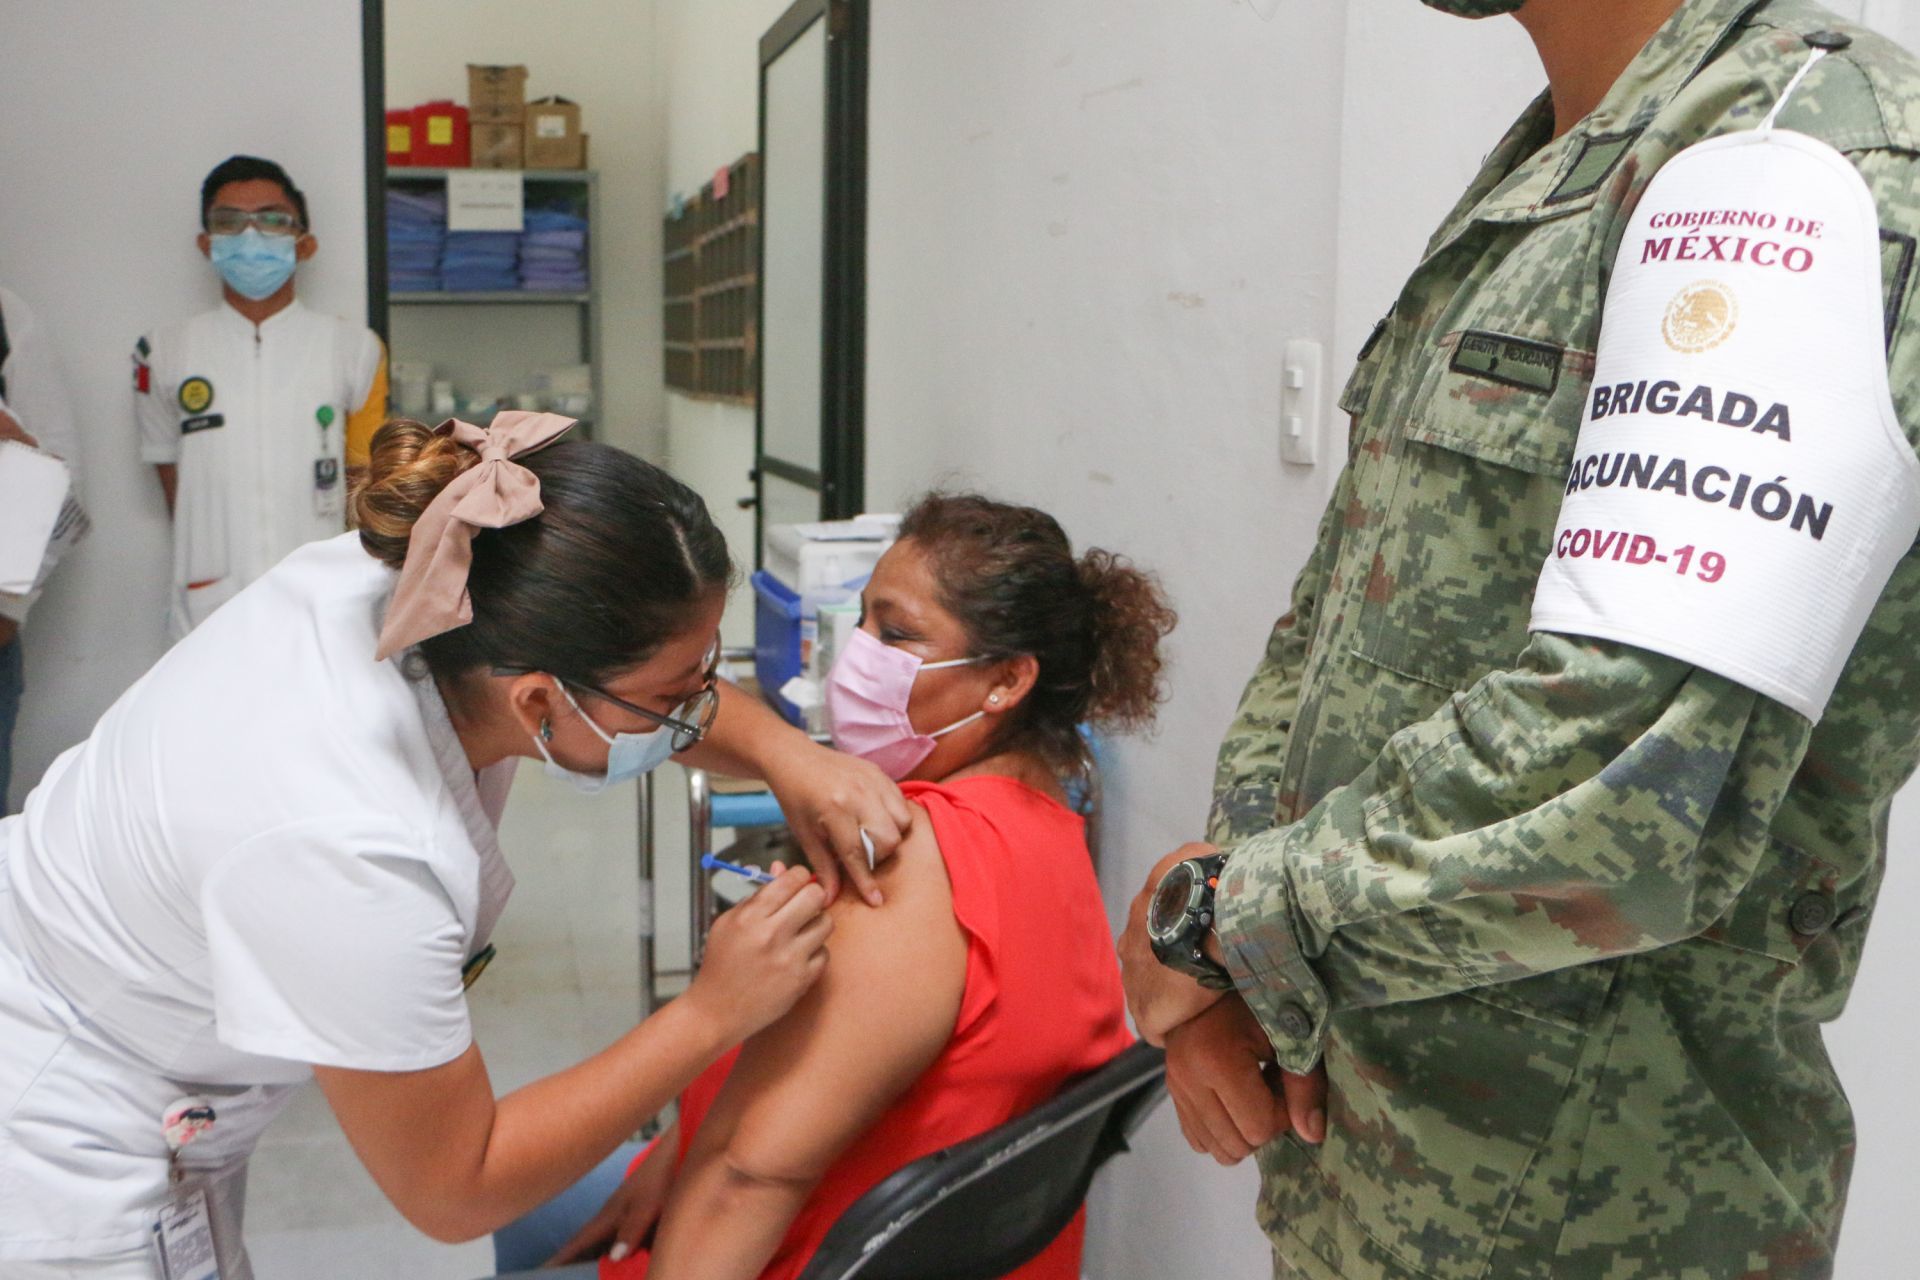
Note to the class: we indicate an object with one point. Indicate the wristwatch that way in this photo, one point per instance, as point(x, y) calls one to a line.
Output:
point(1181, 915)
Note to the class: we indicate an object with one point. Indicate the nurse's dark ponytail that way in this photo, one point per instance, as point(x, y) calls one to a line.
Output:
point(1093, 622)
point(604, 576)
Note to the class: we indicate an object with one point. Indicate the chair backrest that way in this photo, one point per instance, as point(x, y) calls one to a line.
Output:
point(978, 1209)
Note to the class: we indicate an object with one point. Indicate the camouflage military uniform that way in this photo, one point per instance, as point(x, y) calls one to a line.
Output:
point(1562, 917)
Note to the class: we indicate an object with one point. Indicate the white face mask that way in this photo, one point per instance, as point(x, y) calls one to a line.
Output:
point(629, 755)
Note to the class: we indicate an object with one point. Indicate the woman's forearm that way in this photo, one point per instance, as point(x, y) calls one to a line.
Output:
point(708, 1191)
point(461, 1164)
point(547, 1134)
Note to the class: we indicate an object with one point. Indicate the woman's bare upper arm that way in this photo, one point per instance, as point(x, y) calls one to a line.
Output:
point(805, 1088)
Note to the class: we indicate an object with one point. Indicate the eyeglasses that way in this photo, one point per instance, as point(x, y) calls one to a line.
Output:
point(688, 722)
point(223, 220)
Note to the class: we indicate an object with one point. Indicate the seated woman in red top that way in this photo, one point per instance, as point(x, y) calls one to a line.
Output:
point(988, 979)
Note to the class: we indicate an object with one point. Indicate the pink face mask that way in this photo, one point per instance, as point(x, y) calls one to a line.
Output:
point(867, 694)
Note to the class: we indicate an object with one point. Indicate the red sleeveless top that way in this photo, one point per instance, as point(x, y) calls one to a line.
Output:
point(1042, 1003)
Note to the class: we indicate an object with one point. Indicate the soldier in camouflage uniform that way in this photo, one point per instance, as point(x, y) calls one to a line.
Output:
point(1560, 918)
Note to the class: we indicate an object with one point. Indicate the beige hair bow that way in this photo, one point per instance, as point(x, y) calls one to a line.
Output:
point(431, 596)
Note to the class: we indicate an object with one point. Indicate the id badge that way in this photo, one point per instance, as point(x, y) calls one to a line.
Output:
point(329, 498)
point(183, 1237)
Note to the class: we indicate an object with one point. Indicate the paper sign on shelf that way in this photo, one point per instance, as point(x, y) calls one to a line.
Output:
point(486, 200)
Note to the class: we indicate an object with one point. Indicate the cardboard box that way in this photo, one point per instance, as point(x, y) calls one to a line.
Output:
point(497, 146)
point(553, 138)
point(496, 95)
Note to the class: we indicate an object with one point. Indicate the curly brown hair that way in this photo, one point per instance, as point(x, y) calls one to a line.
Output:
point(1093, 623)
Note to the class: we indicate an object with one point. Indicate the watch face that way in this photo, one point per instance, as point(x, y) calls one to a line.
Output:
point(1170, 900)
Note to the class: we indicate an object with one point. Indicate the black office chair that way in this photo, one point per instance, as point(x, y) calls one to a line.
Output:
point(978, 1209)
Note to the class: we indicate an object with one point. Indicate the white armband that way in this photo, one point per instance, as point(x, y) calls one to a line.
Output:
point(1741, 490)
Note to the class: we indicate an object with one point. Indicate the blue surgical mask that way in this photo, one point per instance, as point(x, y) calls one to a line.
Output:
point(628, 754)
point(254, 265)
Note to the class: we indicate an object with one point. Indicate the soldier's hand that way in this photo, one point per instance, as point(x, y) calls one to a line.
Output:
point(1158, 998)
point(1222, 1082)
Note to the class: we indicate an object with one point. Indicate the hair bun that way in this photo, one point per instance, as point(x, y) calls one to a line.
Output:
point(1131, 617)
point(407, 467)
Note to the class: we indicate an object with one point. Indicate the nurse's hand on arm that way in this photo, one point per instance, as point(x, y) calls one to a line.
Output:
point(828, 797)
point(458, 1164)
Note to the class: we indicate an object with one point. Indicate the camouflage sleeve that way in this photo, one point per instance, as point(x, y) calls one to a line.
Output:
point(1596, 801)
point(1246, 781)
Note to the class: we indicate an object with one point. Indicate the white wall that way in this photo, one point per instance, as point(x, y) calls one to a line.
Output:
point(599, 53)
point(710, 58)
point(1400, 170)
point(117, 111)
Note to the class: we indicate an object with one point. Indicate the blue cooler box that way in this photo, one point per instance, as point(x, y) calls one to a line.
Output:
point(776, 640)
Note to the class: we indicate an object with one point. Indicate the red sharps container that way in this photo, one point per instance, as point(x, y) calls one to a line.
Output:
point(441, 138)
point(400, 137)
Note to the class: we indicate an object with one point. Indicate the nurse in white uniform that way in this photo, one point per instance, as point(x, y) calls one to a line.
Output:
point(276, 855)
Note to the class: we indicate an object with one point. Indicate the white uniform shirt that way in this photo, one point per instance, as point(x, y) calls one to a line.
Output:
point(256, 420)
point(37, 398)
point(271, 852)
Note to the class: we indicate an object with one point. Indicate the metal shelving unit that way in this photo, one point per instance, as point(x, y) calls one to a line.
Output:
point(588, 303)
point(711, 278)
point(482, 295)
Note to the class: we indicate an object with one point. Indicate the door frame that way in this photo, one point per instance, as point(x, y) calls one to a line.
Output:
point(841, 479)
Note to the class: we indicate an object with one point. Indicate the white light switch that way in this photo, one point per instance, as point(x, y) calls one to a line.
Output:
point(1300, 403)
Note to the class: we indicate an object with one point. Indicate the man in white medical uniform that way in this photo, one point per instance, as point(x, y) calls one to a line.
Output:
point(252, 412)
